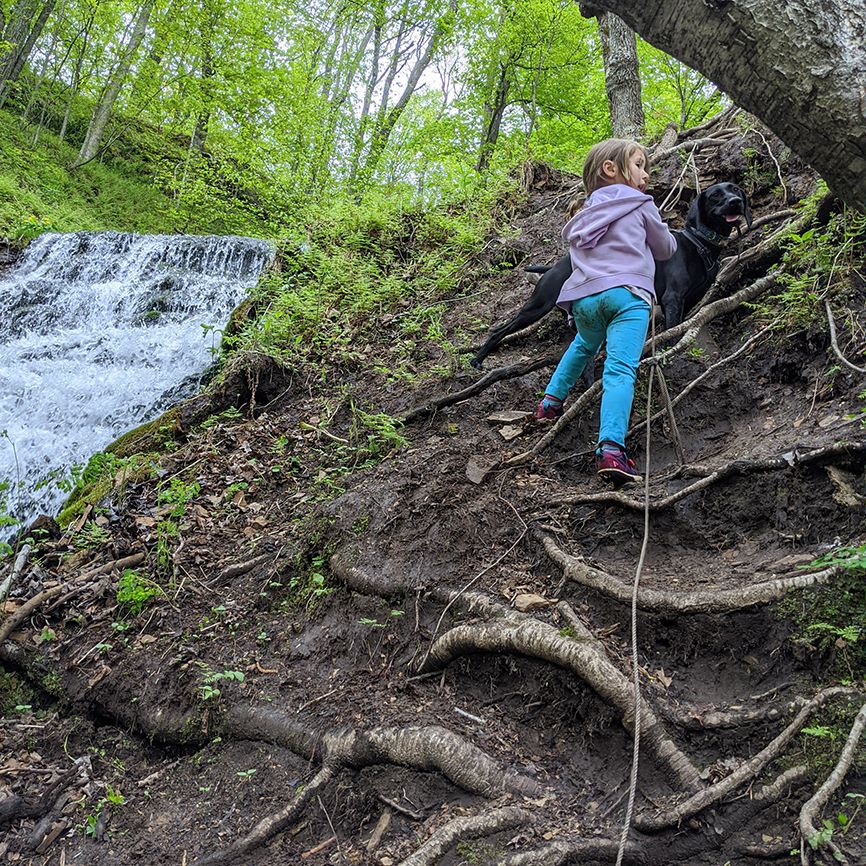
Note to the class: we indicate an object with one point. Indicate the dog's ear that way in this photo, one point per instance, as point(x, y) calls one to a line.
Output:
point(747, 213)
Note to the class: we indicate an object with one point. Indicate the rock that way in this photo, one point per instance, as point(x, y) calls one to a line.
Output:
point(510, 432)
point(529, 601)
point(508, 416)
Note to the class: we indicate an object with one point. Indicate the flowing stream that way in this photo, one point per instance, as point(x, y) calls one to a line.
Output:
point(102, 332)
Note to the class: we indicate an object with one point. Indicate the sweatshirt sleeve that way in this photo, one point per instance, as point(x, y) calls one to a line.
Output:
point(661, 241)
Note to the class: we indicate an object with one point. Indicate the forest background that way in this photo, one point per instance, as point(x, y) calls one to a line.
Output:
point(260, 116)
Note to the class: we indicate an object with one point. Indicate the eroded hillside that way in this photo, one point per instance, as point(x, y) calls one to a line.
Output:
point(314, 636)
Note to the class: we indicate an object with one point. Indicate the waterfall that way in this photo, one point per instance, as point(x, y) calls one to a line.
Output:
point(101, 330)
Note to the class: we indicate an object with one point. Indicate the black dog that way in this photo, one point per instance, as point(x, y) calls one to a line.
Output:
point(680, 282)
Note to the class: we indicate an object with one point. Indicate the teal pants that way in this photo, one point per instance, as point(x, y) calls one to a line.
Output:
point(621, 318)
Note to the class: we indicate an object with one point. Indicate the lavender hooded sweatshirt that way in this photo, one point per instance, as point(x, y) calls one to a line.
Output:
point(614, 240)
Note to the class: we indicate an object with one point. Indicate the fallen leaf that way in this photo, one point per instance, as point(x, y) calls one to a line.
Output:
point(826, 422)
point(663, 678)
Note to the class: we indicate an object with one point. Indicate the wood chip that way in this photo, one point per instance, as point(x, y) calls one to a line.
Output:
point(529, 601)
point(508, 433)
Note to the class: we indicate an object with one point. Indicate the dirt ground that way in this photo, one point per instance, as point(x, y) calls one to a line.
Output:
point(311, 624)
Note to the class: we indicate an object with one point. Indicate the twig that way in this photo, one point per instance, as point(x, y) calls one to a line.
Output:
point(416, 816)
point(330, 823)
point(316, 849)
point(320, 698)
point(776, 163)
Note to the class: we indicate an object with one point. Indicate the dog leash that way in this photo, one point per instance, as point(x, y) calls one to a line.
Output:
point(632, 790)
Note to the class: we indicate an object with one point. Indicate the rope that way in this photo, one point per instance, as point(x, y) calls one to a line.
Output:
point(634, 661)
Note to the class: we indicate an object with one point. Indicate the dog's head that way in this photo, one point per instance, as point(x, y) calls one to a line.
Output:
point(720, 207)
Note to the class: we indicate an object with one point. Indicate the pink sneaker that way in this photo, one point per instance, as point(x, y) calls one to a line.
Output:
point(549, 409)
point(617, 467)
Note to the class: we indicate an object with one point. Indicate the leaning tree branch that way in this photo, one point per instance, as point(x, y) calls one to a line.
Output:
point(510, 631)
point(813, 807)
point(715, 601)
point(744, 773)
point(467, 827)
point(692, 325)
point(499, 374)
point(786, 460)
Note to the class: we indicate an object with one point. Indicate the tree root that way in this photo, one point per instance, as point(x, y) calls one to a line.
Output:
point(573, 851)
point(744, 773)
point(715, 601)
point(787, 460)
point(469, 827)
point(519, 633)
point(835, 343)
point(813, 807)
point(696, 718)
point(688, 328)
point(426, 748)
point(499, 374)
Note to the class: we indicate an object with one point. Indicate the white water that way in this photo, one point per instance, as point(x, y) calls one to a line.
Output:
point(100, 331)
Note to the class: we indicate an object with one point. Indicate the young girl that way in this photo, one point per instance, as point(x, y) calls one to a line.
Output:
point(614, 242)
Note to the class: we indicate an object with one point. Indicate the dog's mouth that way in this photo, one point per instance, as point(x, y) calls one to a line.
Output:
point(733, 217)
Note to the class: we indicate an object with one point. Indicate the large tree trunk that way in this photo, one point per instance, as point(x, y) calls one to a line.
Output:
point(798, 66)
point(102, 111)
point(621, 77)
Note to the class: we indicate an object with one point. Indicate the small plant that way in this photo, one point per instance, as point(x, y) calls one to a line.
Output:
point(310, 587)
point(90, 535)
point(177, 495)
point(208, 691)
point(134, 591)
point(374, 623)
point(112, 800)
point(246, 774)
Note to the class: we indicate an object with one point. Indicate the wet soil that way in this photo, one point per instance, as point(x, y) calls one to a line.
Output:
point(138, 703)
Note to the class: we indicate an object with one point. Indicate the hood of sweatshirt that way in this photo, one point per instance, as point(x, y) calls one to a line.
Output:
point(606, 205)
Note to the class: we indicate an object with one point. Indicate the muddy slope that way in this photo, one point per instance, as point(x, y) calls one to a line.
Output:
point(427, 659)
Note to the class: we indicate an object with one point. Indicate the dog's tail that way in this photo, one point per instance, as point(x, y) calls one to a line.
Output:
point(537, 269)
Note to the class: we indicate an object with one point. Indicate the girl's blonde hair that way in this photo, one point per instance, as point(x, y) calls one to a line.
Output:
point(618, 151)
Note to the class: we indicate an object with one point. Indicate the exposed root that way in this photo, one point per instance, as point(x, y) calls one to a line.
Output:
point(787, 460)
point(519, 633)
point(746, 772)
point(688, 328)
point(835, 342)
point(470, 827)
point(715, 601)
point(813, 807)
point(513, 371)
point(572, 851)
point(697, 718)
